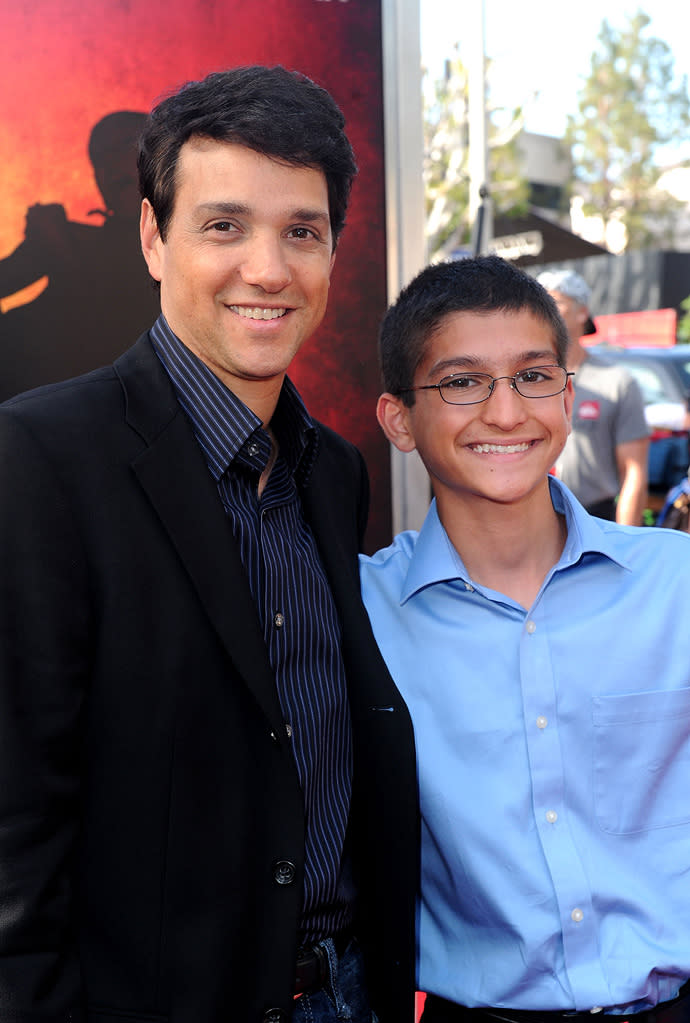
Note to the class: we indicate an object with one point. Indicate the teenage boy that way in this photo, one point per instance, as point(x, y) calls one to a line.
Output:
point(545, 659)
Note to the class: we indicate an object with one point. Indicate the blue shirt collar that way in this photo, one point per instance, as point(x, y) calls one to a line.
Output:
point(435, 560)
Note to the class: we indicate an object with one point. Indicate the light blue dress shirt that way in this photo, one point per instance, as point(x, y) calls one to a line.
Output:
point(553, 750)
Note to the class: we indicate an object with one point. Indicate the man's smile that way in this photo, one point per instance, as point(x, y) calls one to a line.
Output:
point(258, 312)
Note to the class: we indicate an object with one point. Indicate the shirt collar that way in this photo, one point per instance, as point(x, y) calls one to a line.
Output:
point(222, 423)
point(435, 560)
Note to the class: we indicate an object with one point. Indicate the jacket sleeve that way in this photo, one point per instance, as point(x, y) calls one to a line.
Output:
point(363, 501)
point(43, 668)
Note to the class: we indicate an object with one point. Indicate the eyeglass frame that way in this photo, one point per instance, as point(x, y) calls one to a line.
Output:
point(492, 383)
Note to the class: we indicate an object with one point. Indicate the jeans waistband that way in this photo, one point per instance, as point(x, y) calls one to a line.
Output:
point(312, 967)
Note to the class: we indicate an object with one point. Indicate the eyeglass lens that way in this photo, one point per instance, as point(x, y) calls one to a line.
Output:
point(536, 382)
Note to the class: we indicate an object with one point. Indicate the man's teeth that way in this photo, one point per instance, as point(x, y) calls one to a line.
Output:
point(257, 312)
point(499, 449)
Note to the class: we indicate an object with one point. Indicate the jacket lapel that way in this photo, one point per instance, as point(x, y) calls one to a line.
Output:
point(329, 507)
point(326, 500)
point(172, 471)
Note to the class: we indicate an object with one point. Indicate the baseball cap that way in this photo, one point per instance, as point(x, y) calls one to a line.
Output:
point(571, 284)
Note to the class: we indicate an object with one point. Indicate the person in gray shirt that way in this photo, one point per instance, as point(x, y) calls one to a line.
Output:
point(604, 461)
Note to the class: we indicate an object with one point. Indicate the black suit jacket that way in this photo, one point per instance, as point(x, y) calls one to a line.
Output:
point(148, 795)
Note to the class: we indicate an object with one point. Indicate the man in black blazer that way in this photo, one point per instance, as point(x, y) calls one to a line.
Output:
point(208, 803)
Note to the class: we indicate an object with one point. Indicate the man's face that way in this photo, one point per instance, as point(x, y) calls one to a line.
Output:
point(246, 264)
point(499, 450)
point(574, 315)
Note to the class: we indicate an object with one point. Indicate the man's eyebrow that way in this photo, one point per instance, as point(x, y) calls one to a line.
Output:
point(229, 208)
point(310, 214)
point(224, 209)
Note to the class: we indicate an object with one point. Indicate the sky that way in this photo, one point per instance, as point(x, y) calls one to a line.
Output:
point(544, 47)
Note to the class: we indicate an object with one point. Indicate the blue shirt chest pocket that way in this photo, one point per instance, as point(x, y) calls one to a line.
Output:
point(641, 769)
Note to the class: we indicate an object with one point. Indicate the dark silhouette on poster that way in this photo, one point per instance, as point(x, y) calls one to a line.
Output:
point(99, 296)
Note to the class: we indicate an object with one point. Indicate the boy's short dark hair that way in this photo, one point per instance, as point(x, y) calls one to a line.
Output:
point(483, 284)
point(279, 113)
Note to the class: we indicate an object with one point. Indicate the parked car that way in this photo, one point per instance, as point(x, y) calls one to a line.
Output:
point(664, 377)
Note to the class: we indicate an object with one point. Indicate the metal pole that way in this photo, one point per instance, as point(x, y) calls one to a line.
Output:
point(480, 211)
point(404, 139)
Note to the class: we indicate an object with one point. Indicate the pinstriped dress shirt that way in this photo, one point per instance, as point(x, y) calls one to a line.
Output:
point(292, 598)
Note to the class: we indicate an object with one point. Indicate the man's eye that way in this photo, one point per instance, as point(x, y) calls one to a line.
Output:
point(222, 226)
point(301, 233)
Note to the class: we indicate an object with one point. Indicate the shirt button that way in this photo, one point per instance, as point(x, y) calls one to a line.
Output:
point(470, 587)
point(531, 626)
point(288, 729)
point(278, 620)
point(577, 916)
point(275, 1016)
point(284, 872)
point(542, 722)
point(253, 449)
point(551, 816)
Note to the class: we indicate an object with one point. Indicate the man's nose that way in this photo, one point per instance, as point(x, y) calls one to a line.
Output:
point(265, 264)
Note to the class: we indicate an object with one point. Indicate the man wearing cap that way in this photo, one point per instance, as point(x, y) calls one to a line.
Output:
point(604, 461)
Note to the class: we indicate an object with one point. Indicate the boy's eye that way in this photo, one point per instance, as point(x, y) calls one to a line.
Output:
point(530, 376)
point(464, 381)
point(537, 375)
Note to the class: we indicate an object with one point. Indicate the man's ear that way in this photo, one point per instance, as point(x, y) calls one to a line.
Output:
point(151, 241)
point(394, 420)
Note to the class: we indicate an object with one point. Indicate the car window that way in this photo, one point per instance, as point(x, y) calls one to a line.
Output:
point(683, 368)
point(652, 386)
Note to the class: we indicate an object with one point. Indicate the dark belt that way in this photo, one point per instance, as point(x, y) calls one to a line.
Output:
point(311, 969)
point(676, 1010)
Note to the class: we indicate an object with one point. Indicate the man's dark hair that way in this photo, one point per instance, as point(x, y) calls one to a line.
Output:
point(483, 284)
point(279, 113)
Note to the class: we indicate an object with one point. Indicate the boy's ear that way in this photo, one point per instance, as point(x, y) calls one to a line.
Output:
point(568, 402)
point(394, 420)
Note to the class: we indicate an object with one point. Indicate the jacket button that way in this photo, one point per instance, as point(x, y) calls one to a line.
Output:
point(284, 873)
point(275, 1016)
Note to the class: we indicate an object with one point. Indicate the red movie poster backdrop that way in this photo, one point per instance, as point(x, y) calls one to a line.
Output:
point(75, 79)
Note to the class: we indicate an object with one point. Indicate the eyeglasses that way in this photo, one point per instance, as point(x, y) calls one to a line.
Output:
point(471, 388)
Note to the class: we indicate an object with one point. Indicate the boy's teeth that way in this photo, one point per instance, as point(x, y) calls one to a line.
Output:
point(499, 449)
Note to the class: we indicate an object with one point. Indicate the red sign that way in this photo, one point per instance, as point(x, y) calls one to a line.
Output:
point(651, 328)
point(74, 78)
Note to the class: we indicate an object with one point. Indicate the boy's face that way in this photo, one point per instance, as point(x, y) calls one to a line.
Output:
point(499, 450)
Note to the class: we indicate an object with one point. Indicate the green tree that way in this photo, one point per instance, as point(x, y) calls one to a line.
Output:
point(683, 330)
point(629, 107)
point(446, 179)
